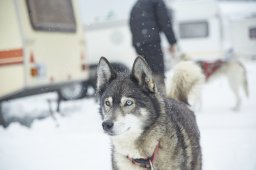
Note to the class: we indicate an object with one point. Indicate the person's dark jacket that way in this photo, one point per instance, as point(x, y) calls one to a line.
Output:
point(147, 19)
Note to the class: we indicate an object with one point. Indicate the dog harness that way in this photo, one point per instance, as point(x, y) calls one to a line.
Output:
point(145, 162)
point(209, 68)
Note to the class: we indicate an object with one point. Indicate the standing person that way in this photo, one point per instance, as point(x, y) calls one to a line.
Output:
point(148, 19)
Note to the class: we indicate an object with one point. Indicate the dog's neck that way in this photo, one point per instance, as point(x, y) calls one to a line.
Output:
point(137, 144)
point(126, 144)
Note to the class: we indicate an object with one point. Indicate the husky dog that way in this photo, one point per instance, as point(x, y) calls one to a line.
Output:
point(231, 68)
point(147, 129)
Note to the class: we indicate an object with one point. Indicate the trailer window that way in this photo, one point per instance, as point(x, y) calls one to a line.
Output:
point(252, 33)
point(52, 15)
point(197, 29)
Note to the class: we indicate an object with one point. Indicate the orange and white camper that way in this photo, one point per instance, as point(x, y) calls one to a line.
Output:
point(42, 47)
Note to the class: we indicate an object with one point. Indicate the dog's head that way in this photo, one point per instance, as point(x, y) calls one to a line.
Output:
point(126, 100)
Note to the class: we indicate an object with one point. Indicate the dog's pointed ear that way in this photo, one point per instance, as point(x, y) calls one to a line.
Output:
point(143, 75)
point(105, 73)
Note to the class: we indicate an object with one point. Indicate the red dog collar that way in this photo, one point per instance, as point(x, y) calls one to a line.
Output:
point(145, 162)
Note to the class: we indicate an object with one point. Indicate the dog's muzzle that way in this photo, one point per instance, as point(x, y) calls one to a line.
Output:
point(107, 125)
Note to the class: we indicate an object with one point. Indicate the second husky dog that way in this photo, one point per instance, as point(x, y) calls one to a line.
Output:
point(231, 68)
point(147, 130)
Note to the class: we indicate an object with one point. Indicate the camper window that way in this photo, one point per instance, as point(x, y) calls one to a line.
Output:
point(197, 29)
point(52, 15)
point(252, 33)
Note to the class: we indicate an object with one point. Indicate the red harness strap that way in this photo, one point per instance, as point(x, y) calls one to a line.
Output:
point(209, 68)
point(145, 163)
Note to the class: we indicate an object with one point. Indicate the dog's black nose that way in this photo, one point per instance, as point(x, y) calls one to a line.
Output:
point(107, 125)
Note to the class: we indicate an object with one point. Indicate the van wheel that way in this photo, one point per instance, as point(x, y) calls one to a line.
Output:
point(73, 91)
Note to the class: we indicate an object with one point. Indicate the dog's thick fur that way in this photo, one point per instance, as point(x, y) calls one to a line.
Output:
point(138, 118)
point(185, 83)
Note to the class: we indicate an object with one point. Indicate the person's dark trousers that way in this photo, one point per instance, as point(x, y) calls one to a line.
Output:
point(153, 54)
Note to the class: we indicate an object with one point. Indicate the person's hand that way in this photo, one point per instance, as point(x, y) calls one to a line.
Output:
point(172, 50)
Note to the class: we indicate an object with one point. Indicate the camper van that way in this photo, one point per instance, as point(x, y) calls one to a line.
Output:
point(42, 48)
point(207, 29)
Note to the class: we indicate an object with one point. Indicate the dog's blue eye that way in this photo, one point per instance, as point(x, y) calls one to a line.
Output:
point(107, 103)
point(128, 103)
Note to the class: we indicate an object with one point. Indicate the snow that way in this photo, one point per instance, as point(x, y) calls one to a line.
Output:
point(76, 141)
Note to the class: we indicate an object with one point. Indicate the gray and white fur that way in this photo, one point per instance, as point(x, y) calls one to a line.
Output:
point(138, 118)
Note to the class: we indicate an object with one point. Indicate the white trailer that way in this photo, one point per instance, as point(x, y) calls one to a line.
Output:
point(42, 47)
point(208, 28)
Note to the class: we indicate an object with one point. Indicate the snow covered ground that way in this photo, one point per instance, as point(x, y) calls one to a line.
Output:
point(76, 142)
